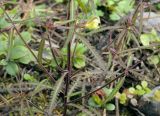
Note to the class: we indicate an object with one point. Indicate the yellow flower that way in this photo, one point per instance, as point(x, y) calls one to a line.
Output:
point(93, 23)
point(156, 96)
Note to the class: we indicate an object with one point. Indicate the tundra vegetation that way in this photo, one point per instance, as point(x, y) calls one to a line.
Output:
point(79, 57)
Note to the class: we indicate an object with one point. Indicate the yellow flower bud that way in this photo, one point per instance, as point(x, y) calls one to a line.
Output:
point(93, 23)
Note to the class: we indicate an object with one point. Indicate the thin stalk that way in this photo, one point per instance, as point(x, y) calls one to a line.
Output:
point(117, 107)
point(71, 16)
point(53, 54)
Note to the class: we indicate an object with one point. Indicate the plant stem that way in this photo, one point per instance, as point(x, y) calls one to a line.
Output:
point(67, 79)
point(71, 16)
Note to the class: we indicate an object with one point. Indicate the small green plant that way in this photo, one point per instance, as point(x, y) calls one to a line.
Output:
point(97, 100)
point(116, 7)
point(157, 6)
point(58, 1)
point(29, 78)
point(139, 90)
point(77, 51)
point(146, 40)
point(90, 7)
point(119, 8)
point(122, 98)
point(13, 51)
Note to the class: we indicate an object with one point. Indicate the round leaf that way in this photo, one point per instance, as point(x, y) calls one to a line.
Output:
point(92, 103)
point(144, 84)
point(138, 87)
point(26, 36)
point(110, 107)
point(145, 39)
point(12, 68)
point(154, 59)
point(27, 58)
point(132, 90)
point(18, 52)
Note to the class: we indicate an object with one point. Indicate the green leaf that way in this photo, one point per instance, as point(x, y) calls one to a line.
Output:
point(92, 103)
point(145, 39)
point(118, 9)
point(115, 90)
point(79, 62)
point(82, 6)
point(40, 50)
point(3, 62)
point(158, 6)
point(132, 90)
point(53, 63)
point(154, 59)
point(123, 98)
point(80, 48)
point(79, 58)
point(107, 91)
point(28, 77)
point(3, 23)
point(153, 32)
point(139, 87)
point(114, 16)
point(59, 1)
point(12, 68)
point(128, 6)
point(130, 60)
point(26, 36)
point(110, 107)
point(144, 84)
point(147, 90)
point(140, 92)
point(3, 44)
point(97, 99)
point(110, 2)
point(47, 54)
point(1, 11)
point(27, 58)
point(18, 52)
point(99, 13)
